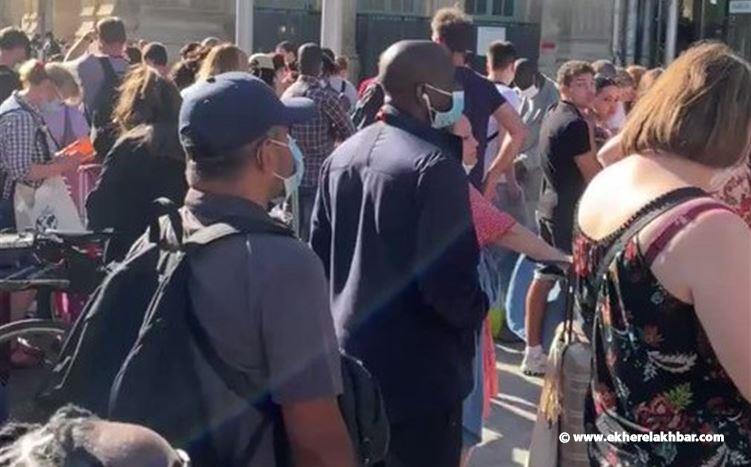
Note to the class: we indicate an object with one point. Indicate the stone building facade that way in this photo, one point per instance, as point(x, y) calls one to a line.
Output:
point(175, 22)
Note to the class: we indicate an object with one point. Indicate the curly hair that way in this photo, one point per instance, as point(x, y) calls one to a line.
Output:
point(54, 444)
point(452, 27)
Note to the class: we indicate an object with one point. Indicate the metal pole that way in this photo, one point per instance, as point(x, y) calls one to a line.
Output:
point(618, 31)
point(646, 36)
point(660, 26)
point(332, 17)
point(671, 32)
point(632, 21)
point(244, 25)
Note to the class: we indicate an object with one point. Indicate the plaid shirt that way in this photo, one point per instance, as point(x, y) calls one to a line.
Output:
point(23, 143)
point(318, 136)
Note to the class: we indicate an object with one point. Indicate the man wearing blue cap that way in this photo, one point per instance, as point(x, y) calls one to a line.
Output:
point(261, 298)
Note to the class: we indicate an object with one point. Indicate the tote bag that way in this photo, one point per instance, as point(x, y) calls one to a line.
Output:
point(48, 207)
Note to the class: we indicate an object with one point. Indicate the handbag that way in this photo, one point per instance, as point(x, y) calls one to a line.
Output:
point(563, 394)
point(48, 207)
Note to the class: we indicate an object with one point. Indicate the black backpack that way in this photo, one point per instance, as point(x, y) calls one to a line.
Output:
point(103, 129)
point(367, 108)
point(143, 373)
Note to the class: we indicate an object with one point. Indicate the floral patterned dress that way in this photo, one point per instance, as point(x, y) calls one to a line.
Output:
point(654, 369)
point(736, 192)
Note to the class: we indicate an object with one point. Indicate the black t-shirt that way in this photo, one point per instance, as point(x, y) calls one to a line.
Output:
point(9, 82)
point(564, 135)
point(481, 100)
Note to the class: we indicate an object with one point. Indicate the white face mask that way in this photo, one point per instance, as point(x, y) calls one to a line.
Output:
point(529, 93)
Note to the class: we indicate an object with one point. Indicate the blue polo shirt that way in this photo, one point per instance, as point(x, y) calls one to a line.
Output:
point(393, 227)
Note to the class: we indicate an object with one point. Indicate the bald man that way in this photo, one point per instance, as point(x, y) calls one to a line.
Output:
point(393, 227)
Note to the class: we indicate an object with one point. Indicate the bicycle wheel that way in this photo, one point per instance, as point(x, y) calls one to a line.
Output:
point(31, 327)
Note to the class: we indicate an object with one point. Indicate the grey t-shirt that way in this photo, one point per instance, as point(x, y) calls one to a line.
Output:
point(91, 74)
point(263, 301)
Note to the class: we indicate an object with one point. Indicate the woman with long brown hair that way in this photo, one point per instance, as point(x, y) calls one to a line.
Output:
point(662, 272)
point(146, 163)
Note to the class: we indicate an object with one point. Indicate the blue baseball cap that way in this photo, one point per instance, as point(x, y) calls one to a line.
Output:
point(231, 110)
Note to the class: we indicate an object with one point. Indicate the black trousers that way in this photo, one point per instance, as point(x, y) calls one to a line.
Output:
point(433, 440)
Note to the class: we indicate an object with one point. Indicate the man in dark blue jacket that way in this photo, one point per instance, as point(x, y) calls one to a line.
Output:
point(393, 227)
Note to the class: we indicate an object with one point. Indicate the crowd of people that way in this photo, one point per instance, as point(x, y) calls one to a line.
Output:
point(414, 198)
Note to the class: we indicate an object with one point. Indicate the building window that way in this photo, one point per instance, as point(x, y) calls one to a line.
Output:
point(490, 7)
point(290, 4)
point(397, 7)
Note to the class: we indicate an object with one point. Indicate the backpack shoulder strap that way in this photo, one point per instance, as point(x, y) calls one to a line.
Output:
point(68, 134)
point(109, 71)
point(236, 380)
point(235, 226)
point(666, 203)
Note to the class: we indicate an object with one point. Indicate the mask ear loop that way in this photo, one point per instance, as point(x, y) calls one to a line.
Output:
point(258, 151)
point(426, 100)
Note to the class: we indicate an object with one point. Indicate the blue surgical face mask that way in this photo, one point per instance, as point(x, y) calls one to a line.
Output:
point(292, 182)
point(445, 119)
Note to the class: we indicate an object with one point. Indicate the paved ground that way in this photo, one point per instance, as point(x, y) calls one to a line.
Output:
point(508, 431)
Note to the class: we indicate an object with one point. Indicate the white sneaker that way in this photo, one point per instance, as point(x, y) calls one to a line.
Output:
point(534, 363)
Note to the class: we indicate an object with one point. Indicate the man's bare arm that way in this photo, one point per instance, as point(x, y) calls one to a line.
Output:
point(516, 132)
point(81, 46)
point(317, 434)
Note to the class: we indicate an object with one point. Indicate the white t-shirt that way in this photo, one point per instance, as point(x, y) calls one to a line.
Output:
point(618, 121)
point(496, 135)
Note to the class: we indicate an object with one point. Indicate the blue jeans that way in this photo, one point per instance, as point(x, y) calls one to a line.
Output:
point(7, 215)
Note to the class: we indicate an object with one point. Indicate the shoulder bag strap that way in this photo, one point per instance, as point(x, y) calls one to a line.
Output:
point(68, 135)
point(658, 245)
point(109, 71)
